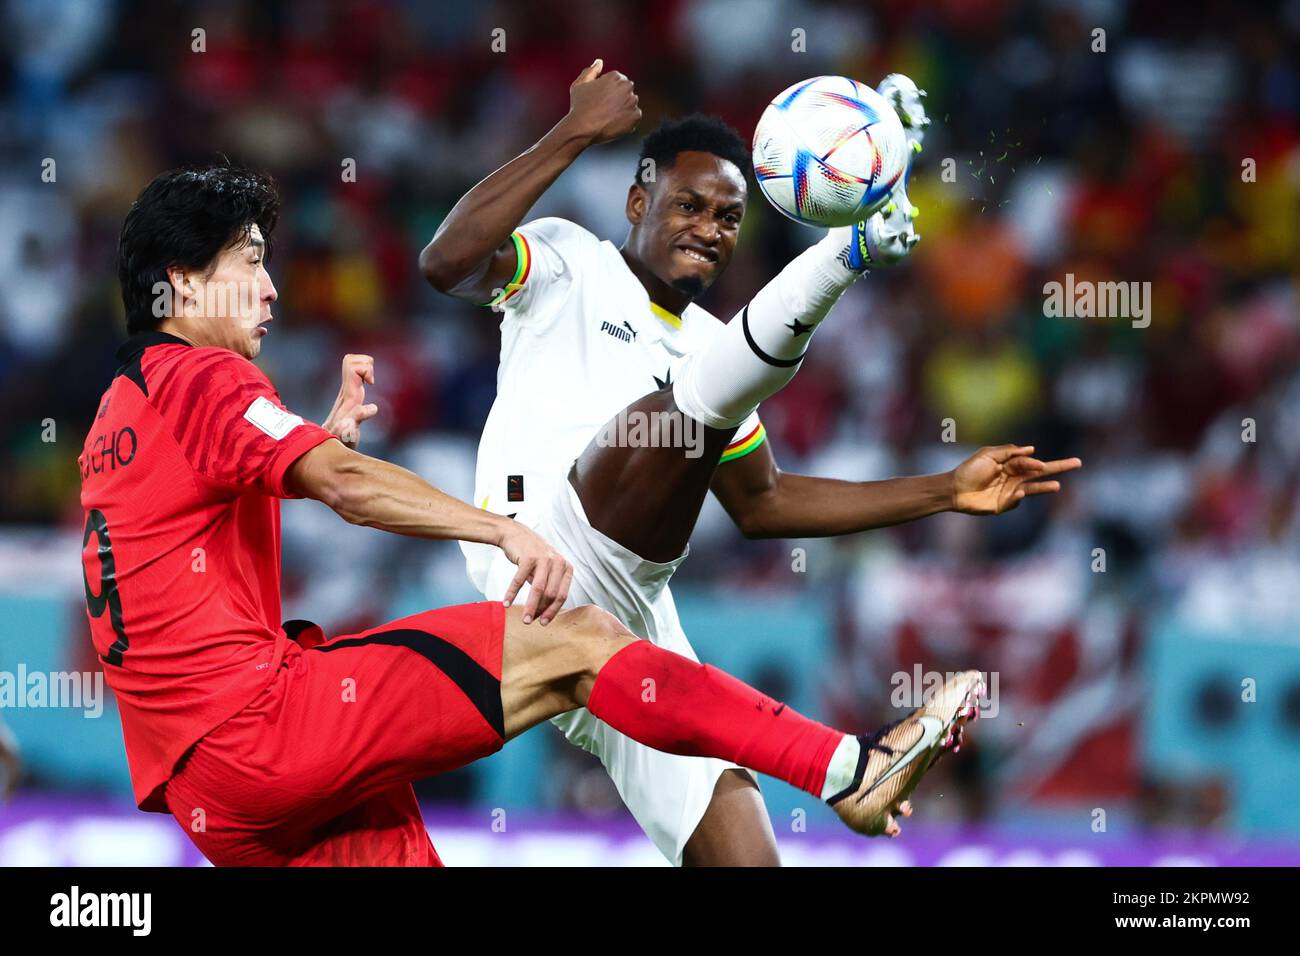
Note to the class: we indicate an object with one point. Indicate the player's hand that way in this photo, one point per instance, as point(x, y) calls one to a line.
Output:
point(996, 479)
point(602, 108)
point(547, 572)
point(350, 408)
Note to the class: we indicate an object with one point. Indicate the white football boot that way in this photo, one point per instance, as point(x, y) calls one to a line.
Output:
point(888, 236)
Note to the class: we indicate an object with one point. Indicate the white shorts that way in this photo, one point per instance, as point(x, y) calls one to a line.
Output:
point(666, 793)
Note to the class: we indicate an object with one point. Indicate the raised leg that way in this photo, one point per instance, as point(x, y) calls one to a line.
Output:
point(677, 705)
point(586, 658)
point(648, 498)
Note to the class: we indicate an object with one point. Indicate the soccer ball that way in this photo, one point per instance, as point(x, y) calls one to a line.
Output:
point(829, 151)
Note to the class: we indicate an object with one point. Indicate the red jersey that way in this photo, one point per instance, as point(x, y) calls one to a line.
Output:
point(180, 477)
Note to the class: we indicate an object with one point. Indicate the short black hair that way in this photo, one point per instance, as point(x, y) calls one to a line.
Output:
point(697, 132)
point(185, 217)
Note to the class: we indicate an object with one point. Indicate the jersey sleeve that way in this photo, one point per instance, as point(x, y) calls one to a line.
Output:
point(748, 437)
point(234, 430)
point(548, 252)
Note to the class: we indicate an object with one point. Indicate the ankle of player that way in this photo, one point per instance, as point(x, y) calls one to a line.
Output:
point(831, 269)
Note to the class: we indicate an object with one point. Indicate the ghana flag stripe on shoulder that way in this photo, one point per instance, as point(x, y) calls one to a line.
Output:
point(523, 262)
point(742, 446)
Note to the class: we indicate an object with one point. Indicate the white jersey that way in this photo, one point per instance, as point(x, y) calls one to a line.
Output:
point(580, 341)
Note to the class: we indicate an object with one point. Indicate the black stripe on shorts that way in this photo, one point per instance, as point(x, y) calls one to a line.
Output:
point(482, 689)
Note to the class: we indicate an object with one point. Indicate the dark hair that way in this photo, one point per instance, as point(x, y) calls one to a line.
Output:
point(186, 217)
point(698, 132)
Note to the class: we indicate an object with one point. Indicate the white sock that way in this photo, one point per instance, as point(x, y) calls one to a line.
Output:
point(843, 767)
point(760, 350)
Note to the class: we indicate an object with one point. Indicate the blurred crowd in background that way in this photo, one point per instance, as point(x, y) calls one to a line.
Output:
point(1162, 150)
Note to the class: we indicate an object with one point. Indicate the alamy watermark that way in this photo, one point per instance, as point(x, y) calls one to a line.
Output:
point(133, 911)
point(1075, 299)
point(209, 300)
point(912, 688)
point(632, 428)
point(78, 690)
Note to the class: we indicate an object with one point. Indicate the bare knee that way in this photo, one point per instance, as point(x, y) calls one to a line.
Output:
point(594, 635)
point(593, 621)
point(547, 670)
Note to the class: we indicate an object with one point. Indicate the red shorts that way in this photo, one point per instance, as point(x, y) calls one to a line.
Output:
point(317, 771)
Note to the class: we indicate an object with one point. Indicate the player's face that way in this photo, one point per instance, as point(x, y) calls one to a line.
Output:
point(691, 221)
point(230, 306)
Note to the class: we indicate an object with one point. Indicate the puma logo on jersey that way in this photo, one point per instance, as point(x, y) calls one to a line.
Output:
point(625, 333)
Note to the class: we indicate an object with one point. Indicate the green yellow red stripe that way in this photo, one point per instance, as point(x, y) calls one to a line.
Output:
point(523, 263)
point(743, 446)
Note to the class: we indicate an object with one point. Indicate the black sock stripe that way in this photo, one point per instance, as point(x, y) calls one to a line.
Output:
point(779, 363)
point(482, 689)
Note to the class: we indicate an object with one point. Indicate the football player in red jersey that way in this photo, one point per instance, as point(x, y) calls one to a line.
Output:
point(271, 743)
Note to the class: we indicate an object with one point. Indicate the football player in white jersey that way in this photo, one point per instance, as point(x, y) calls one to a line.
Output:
point(621, 404)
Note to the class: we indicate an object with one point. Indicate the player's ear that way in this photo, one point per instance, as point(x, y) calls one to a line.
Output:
point(638, 200)
point(182, 289)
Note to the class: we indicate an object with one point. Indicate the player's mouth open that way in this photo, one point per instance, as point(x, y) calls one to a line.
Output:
point(706, 256)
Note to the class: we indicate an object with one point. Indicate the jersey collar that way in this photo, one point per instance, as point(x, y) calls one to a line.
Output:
point(136, 344)
point(670, 320)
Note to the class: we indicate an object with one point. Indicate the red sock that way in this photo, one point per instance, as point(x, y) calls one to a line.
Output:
point(671, 703)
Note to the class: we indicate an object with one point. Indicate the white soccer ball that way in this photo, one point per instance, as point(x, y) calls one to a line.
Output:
point(829, 151)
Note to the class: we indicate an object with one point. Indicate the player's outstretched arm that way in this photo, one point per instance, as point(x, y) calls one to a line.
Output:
point(471, 255)
point(378, 494)
point(766, 502)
